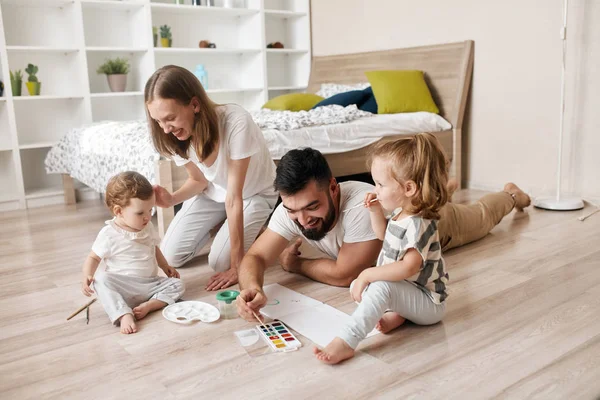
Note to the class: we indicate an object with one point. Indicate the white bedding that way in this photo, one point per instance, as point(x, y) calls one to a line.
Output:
point(92, 154)
point(339, 138)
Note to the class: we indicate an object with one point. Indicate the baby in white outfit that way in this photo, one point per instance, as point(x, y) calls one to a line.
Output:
point(129, 288)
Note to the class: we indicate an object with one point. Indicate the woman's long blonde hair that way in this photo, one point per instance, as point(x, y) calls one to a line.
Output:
point(419, 159)
point(179, 84)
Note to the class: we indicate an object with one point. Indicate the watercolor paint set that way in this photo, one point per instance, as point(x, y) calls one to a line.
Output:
point(268, 338)
point(278, 336)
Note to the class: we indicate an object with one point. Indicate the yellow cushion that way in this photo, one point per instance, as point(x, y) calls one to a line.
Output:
point(293, 102)
point(401, 91)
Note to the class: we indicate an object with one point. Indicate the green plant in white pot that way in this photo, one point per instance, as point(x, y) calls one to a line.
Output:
point(34, 86)
point(116, 71)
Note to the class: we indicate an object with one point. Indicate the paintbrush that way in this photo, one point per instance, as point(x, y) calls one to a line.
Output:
point(253, 313)
point(360, 205)
point(80, 309)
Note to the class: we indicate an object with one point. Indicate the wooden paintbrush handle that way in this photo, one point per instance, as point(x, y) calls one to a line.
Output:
point(80, 309)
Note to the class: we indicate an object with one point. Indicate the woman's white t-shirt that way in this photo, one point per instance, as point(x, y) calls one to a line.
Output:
point(239, 138)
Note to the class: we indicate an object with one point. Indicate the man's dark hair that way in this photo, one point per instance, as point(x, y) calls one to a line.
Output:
point(300, 166)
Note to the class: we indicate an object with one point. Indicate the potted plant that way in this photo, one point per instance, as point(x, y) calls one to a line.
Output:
point(155, 35)
point(166, 39)
point(33, 85)
point(16, 80)
point(116, 71)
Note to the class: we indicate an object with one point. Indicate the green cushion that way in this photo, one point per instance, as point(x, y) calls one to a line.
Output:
point(401, 91)
point(293, 102)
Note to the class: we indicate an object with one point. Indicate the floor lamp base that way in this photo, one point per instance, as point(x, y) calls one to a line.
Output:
point(563, 204)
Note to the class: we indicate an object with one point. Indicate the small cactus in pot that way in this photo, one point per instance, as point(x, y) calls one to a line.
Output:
point(166, 39)
point(34, 86)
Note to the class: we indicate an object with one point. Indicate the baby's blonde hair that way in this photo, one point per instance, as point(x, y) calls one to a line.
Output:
point(419, 159)
point(125, 186)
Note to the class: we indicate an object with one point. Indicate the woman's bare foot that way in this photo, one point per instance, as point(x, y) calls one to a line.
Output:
point(151, 305)
point(452, 185)
point(389, 322)
point(128, 324)
point(522, 200)
point(335, 352)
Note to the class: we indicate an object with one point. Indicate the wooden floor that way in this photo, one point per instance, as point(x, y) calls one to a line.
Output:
point(523, 322)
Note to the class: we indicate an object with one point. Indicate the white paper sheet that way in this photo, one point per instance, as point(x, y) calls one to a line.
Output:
point(311, 318)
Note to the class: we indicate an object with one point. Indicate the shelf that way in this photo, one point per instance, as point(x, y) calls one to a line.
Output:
point(187, 9)
point(41, 49)
point(287, 87)
point(58, 97)
point(40, 145)
point(285, 14)
point(2, 99)
point(5, 148)
point(115, 94)
point(112, 4)
point(217, 91)
point(117, 49)
point(286, 51)
point(38, 3)
point(183, 50)
point(43, 192)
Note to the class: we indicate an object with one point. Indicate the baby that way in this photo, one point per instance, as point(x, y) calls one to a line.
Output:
point(130, 287)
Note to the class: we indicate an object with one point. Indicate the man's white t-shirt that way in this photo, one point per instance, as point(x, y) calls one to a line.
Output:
point(352, 227)
point(128, 253)
point(239, 138)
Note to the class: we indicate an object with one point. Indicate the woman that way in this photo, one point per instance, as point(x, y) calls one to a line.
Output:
point(230, 172)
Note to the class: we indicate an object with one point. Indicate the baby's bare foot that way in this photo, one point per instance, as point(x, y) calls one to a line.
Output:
point(522, 200)
point(389, 322)
point(151, 305)
point(128, 324)
point(451, 186)
point(335, 352)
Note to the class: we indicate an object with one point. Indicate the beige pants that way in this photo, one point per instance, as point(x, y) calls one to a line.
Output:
point(464, 223)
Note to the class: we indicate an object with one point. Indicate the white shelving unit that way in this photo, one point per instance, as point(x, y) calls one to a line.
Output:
point(69, 39)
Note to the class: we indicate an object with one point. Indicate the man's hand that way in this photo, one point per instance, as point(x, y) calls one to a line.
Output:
point(85, 285)
point(289, 258)
point(223, 280)
point(171, 272)
point(249, 301)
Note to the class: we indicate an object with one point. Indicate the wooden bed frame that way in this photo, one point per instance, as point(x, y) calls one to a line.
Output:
point(447, 67)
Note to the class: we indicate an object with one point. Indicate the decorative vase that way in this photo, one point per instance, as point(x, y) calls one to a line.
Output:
point(117, 82)
point(164, 42)
point(155, 37)
point(34, 88)
point(1, 88)
point(16, 88)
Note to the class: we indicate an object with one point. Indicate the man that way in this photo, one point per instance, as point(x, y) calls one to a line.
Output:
point(314, 206)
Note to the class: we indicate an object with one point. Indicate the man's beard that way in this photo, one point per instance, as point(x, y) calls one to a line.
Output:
point(326, 224)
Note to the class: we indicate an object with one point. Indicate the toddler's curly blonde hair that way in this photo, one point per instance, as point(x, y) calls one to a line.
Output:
point(421, 160)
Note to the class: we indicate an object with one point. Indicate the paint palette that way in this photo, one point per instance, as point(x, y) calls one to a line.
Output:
point(278, 336)
point(186, 312)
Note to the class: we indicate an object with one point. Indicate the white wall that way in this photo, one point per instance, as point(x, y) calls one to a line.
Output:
point(513, 116)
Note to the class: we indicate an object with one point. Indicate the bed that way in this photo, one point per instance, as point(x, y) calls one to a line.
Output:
point(448, 69)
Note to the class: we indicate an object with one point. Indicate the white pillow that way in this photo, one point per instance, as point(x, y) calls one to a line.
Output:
point(331, 89)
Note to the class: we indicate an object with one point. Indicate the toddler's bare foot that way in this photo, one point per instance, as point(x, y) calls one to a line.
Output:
point(522, 200)
point(335, 352)
point(452, 185)
point(143, 309)
point(128, 324)
point(389, 322)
